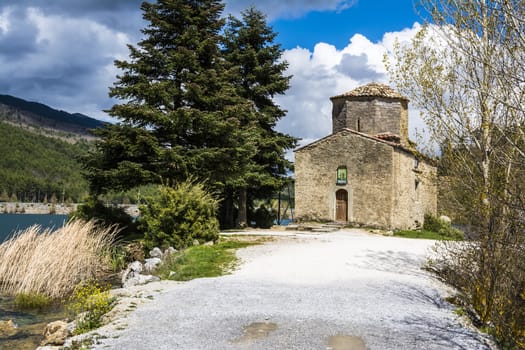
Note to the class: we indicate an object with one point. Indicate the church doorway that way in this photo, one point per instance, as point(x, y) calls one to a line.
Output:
point(341, 205)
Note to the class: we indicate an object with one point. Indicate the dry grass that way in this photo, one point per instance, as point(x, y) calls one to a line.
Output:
point(52, 263)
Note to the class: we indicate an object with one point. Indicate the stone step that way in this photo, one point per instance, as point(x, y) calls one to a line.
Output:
point(327, 227)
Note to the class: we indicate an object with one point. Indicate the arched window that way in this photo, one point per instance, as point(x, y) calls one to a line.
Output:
point(342, 175)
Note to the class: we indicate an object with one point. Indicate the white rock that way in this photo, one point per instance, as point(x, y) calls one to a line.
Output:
point(155, 253)
point(136, 266)
point(209, 243)
point(134, 269)
point(140, 280)
point(151, 264)
point(169, 251)
point(195, 242)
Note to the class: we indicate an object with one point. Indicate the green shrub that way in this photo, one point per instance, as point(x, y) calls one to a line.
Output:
point(441, 227)
point(88, 303)
point(263, 217)
point(176, 216)
point(95, 209)
point(432, 223)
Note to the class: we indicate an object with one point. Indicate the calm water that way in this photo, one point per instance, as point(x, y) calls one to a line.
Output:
point(31, 324)
point(10, 223)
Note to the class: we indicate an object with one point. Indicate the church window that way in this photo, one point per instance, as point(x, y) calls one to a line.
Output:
point(342, 175)
point(416, 163)
point(359, 125)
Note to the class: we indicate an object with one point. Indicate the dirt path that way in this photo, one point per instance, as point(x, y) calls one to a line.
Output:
point(344, 290)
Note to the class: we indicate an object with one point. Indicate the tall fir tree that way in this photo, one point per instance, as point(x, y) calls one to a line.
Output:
point(249, 47)
point(178, 115)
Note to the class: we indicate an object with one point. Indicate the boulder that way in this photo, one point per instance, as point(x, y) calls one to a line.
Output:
point(7, 328)
point(55, 333)
point(139, 279)
point(155, 253)
point(151, 264)
point(196, 242)
point(134, 269)
point(209, 243)
point(136, 266)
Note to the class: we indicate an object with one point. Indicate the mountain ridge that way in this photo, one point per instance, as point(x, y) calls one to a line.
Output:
point(19, 111)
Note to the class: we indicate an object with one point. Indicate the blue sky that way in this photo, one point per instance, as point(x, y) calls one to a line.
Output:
point(370, 18)
point(61, 52)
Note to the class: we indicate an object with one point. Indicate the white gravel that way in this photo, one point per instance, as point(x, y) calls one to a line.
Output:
point(295, 293)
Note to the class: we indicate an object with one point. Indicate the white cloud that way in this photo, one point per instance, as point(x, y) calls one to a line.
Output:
point(326, 72)
point(4, 20)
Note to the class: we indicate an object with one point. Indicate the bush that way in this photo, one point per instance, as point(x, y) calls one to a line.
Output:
point(177, 216)
point(442, 228)
point(95, 209)
point(489, 274)
point(263, 217)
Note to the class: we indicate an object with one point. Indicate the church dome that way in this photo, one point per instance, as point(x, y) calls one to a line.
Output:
point(373, 90)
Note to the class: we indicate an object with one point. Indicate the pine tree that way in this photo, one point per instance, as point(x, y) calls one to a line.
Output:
point(178, 118)
point(249, 47)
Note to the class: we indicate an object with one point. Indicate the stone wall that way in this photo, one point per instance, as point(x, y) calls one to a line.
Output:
point(369, 187)
point(371, 115)
point(414, 190)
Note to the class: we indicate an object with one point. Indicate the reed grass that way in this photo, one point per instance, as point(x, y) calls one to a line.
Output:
point(52, 263)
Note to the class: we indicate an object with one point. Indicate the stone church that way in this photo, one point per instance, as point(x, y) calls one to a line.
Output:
point(366, 172)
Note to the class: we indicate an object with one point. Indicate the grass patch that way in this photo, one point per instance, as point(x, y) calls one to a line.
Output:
point(424, 234)
point(32, 301)
point(202, 261)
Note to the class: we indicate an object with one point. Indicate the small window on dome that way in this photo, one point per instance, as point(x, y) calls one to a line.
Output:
point(342, 175)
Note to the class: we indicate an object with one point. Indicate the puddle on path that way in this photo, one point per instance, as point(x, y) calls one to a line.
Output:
point(256, 330)
point(345, 342)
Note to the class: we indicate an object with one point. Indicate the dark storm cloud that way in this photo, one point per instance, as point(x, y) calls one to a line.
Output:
point(356, 67)
point(20, 40)
point(76, 7)
point(122, 15)
point(64, 57)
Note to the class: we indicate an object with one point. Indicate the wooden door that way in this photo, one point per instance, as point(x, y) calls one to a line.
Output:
point(341, 206)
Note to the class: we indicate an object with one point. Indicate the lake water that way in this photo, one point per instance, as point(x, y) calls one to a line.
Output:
point(10, 223)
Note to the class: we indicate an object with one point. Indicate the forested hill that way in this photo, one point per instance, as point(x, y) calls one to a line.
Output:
point(40, 149)
point(39, 168)
point(33, 114)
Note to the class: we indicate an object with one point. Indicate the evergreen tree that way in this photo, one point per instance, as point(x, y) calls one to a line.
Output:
point(249, 47)
point(178, 118)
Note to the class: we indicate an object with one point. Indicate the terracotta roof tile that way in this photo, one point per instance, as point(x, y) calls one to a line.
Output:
point(373, 90)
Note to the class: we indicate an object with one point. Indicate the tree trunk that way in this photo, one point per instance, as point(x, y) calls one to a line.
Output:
point(243, 220)
point(227, 220)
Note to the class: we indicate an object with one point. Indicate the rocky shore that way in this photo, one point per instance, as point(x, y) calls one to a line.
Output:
point(51, 208)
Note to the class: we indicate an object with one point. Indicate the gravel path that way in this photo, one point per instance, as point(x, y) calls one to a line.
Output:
point(343, 290)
